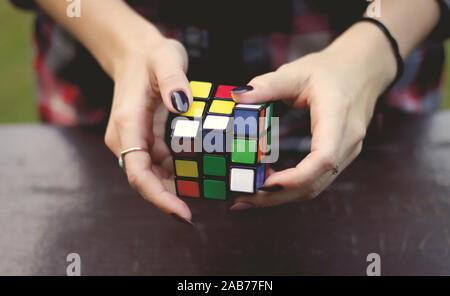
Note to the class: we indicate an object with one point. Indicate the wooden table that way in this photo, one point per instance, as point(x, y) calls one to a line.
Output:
point(62, 192)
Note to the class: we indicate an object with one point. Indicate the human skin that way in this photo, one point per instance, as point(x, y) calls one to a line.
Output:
point(340, 86)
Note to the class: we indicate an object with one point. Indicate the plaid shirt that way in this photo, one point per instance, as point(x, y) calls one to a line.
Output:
point(73, 90)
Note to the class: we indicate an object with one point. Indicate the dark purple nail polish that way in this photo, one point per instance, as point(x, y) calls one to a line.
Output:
point(180, 101)
point(242, 89)
point(184, 221)
point(275, 188)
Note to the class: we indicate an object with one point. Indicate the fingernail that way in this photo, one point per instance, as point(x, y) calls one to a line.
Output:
point(183, 220)
point(180, 101)
point(242, 89)
point(275, 188)
point(240, 206)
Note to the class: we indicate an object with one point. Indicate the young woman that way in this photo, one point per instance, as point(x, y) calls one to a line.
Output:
point(317, 55)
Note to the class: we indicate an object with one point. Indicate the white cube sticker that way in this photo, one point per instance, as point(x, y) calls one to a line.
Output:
point(241, 180)
point(186, 128)
point(214, 122)
point(248, 106)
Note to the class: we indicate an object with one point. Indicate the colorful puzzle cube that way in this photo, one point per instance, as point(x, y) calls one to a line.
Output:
point(218, 146)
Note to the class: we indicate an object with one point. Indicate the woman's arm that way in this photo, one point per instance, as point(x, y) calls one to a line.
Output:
point(107, 28)
point(340, 85)
point(145, 67)
point(409, 21)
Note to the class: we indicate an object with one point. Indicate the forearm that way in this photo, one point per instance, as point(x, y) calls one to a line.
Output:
point(409, 21)
point(368, 50)
point(107, 28)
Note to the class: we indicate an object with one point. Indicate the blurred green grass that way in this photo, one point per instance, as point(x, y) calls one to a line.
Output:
point(17, 97)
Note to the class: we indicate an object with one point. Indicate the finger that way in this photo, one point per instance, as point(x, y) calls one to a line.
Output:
point(299, 183)
point(273, 86)
point(159, 150)
point(312, 174)
point(111, 139)
point(327, 149)
point(265, 199)
point(134, 129)
point(315, 172)
point(270, 199)
point(141, 177)
point(174, 86)
point(160, 117)
point(167, 165)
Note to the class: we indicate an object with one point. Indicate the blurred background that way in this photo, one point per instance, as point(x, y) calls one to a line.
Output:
point(17, 100)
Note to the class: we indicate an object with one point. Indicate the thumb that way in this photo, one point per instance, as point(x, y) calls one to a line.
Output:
point(273, 86)
point(174, 87)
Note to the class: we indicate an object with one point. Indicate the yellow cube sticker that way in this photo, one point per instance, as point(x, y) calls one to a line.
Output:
point(222, 107)
point(196, 109)
point(201, 89)
point(186, 168)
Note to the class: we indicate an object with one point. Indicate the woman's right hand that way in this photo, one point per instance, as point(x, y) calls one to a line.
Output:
point(149, 79)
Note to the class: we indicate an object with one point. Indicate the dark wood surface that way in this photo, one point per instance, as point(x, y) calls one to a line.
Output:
point(62, 192)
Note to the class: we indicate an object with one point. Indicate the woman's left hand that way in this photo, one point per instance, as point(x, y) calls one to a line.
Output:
point(340, 86)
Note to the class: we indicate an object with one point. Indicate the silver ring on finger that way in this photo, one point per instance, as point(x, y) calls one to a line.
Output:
point(336, 169)
point(125, 152)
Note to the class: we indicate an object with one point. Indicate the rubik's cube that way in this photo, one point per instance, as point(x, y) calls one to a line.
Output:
point(221, 144)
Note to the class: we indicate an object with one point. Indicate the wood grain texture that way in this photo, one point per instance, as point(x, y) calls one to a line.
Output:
point(62, 192)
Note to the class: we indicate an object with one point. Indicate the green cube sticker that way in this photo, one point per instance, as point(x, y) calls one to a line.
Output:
point(270, 110)
point(244, 151)
point(214, 189)
point(214, 165)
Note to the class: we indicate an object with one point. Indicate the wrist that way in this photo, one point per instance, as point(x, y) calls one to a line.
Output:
point(111, 35)
point(369, 54)
point(128, 45)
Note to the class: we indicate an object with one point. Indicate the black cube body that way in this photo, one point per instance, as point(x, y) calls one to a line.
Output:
point(213, 154)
